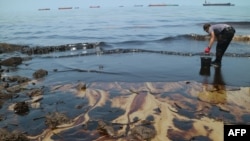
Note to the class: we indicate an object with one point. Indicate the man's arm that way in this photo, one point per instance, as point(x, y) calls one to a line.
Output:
point(212, 39)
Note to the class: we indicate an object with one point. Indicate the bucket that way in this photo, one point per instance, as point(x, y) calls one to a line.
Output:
point(205, 71)
point(206, 61)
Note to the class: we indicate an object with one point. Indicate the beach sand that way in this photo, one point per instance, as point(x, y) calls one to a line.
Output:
point(182, 110)
point(120, 111)
point(173, 110)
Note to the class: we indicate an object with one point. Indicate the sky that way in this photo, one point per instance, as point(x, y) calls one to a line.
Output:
point(16, 5)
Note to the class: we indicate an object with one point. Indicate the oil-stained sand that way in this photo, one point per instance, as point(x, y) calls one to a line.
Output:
point(184, 110)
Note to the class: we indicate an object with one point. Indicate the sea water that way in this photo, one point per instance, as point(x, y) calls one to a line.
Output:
point(154, 29)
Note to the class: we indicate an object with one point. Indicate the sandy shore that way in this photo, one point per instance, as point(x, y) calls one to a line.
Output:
point(175, 111)
point(124, 111)
point(131, 111)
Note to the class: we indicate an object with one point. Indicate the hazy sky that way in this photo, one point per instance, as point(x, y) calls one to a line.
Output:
point(16, 5)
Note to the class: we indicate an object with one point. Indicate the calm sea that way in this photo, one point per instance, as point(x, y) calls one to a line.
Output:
point(154, 29)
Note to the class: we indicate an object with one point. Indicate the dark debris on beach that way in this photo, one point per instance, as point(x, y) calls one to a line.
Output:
point(12, 136)
point(13, 87)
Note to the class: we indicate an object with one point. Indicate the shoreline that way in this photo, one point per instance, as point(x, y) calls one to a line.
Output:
point(116, 110)
point(178, 110)
point(66, 59)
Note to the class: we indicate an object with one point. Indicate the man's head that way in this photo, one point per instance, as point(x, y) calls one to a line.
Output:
point(206, 27)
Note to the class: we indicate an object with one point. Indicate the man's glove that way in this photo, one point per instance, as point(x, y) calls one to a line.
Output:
point(207, 50)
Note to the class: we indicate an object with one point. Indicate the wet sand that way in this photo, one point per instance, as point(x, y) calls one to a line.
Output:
point(172, 110)
point(79, 110)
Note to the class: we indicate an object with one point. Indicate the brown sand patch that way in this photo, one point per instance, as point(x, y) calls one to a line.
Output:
point(131, 111)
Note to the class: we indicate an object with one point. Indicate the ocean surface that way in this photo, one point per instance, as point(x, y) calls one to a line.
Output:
point(137, 38)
